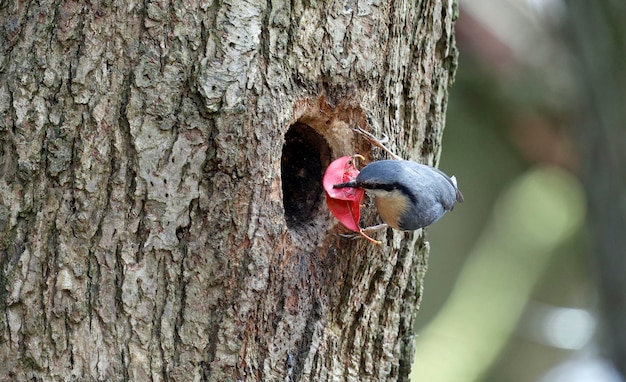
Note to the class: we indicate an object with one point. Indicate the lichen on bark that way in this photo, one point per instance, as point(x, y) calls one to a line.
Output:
point(142, 226)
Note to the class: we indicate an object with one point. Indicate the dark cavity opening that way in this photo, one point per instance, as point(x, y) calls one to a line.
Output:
point(305, 155)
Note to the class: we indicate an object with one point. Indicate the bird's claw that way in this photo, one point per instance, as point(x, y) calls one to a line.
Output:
point(375, 228)
point(358, 156)
point(363, 233)
point(376, 142)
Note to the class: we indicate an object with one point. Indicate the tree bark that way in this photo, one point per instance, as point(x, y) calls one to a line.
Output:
point(162, 216)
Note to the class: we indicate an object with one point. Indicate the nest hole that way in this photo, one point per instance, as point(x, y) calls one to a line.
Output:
point(305, 156)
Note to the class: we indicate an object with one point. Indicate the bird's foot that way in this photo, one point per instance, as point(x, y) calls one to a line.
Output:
point(364, 233)
point(376, 141)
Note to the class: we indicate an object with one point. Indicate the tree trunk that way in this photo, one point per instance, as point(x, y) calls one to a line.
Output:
point(162, 216)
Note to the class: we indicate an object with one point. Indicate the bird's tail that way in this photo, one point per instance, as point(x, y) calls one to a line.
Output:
point(459, 196)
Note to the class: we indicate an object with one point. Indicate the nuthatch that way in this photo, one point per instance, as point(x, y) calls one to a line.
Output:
point(408, 195)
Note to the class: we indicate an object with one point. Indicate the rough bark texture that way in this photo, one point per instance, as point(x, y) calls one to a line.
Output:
point(142, 226)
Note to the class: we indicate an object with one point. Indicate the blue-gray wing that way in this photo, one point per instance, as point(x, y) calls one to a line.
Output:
point(437, 183)
point(431, 192)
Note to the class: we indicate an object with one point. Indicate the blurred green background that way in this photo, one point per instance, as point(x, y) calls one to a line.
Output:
point(527, 278)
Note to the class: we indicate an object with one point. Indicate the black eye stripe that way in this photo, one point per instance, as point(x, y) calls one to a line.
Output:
point(390, 187)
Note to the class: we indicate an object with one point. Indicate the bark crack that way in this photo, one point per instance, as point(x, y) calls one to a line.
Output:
point(182, 286)
point(119, 309)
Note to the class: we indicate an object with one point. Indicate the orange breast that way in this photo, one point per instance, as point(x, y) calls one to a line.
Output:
point(390, 209)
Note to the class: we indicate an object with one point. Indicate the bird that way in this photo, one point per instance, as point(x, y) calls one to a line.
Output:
point(408, 195)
